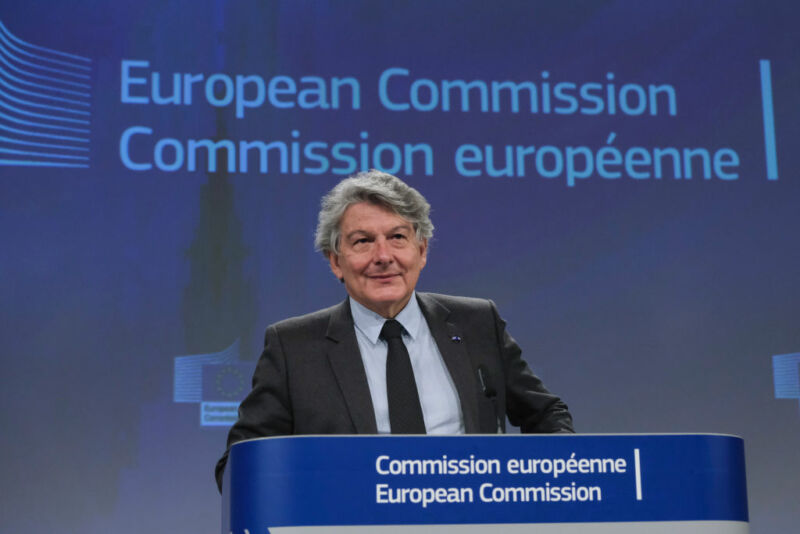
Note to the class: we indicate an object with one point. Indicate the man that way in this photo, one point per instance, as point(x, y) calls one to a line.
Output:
point(388, 359)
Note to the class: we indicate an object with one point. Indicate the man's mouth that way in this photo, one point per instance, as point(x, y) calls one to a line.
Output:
point(386, 276)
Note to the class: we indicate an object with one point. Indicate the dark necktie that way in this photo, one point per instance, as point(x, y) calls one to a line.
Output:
point(405, 412)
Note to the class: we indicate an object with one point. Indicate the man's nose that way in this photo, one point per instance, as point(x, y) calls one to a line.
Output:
point(382, 254)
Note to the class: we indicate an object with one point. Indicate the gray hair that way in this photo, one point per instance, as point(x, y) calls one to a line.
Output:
point(377, 188)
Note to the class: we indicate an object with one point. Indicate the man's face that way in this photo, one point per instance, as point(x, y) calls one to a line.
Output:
point(379, 257)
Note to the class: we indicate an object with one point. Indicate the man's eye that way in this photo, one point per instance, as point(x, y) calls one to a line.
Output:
point(360, 241)
point(398, 236)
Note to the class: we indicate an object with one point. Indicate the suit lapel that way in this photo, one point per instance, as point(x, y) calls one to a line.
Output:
point(450, 339)
point(345, 359)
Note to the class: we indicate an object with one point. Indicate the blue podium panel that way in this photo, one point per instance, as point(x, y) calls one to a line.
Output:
point(520, 483)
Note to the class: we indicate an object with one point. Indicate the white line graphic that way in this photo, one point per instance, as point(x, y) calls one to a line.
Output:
point(44, 97)
point(638, 468)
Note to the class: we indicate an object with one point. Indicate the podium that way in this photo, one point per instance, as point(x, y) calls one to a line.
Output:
point(552, 484)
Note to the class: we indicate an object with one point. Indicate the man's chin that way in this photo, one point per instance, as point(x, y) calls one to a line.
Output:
point(387, 300)
point(387, 297)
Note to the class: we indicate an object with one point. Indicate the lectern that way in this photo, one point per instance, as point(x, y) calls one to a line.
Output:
point(552, 484)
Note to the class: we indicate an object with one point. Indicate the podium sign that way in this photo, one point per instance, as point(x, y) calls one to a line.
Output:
point(516, 483)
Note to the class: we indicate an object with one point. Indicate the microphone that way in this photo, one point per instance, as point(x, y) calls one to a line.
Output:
point(486, 382)
point(490, 392)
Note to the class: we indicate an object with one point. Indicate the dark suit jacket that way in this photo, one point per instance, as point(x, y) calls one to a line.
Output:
point(310, 378)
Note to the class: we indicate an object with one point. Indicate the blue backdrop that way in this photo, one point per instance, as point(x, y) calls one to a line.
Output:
point(619, 176)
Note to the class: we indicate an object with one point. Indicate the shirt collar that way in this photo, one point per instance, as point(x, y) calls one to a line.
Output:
point(370, 323)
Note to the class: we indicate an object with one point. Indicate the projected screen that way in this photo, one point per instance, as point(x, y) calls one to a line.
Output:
point(620, 177)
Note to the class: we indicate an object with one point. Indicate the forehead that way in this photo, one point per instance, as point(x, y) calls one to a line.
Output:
point(368, 217)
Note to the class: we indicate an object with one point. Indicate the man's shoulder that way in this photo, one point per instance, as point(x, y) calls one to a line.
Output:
point(465, 315)
point(455, 303)
point(310, 322)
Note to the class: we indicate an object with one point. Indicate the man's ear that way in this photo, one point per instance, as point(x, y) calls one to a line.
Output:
point(423, 251)
point(333, 258)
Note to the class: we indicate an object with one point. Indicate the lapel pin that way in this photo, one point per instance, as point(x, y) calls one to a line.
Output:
point(456, 339)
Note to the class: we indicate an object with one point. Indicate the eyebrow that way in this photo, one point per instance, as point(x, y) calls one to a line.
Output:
point(391, 230)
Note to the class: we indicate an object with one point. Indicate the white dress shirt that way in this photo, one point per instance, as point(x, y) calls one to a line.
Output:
point(441, 408)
